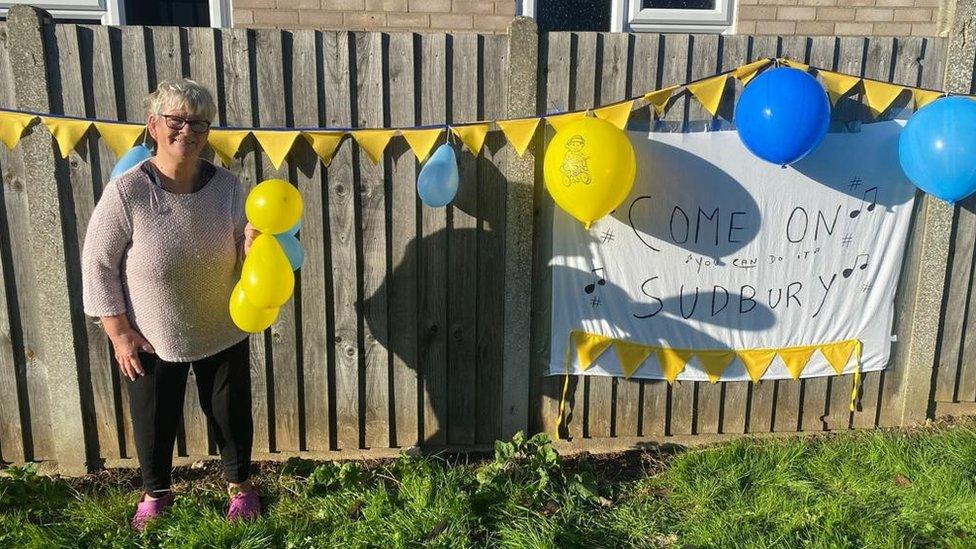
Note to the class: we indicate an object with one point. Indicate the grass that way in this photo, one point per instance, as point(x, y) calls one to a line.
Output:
point(872, 489)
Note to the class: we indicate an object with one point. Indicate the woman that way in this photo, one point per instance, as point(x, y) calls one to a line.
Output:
point(160, 259)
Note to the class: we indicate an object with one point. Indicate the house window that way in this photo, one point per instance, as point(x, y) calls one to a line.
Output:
point(702, 16)
point(184, 13)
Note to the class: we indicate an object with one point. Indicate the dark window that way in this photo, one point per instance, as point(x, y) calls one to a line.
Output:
point(678, 4)
point(178, 13)
point(573, 15)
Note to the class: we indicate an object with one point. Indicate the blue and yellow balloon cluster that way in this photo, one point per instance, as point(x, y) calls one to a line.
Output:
point(274, 207)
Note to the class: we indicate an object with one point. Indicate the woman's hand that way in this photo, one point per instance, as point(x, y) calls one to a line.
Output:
point(250, 233)
point(127, 344)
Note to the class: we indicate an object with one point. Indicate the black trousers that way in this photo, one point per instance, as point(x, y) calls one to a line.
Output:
point(156, 406)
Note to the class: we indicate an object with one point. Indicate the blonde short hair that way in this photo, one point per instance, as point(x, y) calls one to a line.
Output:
point(184, 94)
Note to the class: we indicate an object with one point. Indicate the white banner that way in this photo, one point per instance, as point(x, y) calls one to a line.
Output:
point(717, 250)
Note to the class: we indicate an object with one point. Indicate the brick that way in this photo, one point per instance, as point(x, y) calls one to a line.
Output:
point(386, 5)
point(874, 14)
point(451, 21)
point(254, 4)
point(408, 20)
point(835, 14)
point(928, 3)
point(344, 5)
point(363, 20)
point(855, 2)
point(505, 7)
point(818, 2)
point(815, 28)
point(925, 29)
point(320, 18)
point(796, 13)
point(748, 2)
point(430, 6)
point(275, 18)
point(492, 23)
point(745, 27)
point(243, 17)
point(892, 29)
point(777, 2)
point(753, 13)
point(894, 3)
point(776, 27)
point(473, 6)
point(299, 4)
point(854, 29)
point(915, 15)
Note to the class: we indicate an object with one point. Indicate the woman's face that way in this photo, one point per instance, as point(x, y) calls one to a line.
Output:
point(178, 134)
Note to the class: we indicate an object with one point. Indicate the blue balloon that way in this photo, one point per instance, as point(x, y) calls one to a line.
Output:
point(135, 156)
point(782, 115)
point(438, 180)
point(293, 249)
point(937, 148)
point(294, 230)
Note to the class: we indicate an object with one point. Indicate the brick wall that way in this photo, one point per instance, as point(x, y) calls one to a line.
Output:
point(839, 17)
point(489, 16)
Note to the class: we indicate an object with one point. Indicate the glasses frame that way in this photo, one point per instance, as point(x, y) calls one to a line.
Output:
point(179, 121)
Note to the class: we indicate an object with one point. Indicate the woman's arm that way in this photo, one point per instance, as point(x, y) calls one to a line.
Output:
point(127, 343)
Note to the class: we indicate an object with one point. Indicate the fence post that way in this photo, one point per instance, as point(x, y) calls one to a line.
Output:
point(26, 30)
point(523, 47)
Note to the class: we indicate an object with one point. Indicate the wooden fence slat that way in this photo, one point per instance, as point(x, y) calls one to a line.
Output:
point(404, 246)
point(372, 222)
point(433, 256)
point(314, 274)
point(462, 261)
point(342, 229)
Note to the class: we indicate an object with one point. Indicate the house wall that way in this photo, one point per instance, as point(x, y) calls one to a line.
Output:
point(839, 17)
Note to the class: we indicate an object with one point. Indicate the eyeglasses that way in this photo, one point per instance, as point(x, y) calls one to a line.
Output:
point(177, 123)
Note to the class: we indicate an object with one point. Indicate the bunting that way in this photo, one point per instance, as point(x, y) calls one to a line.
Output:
point(659, 99)
point(119, 137)
point(631, 356)
point(745, 73)
point(67, 132)
point(796, 359)
point(519, 132)
point(226, 143)
point(924, 97)
point(557, 121)
point(838, 85)
point(839, 355)
point(880, 95)
point(422, 141)
point(589, 347)
point(673, 362)
point(12, 126)
point(324, 144)
point(617, 114)
point(276, 144)
point(373, 142)
point(715, 362)
point(709, 92)
point(756, 362)
point(472, 135)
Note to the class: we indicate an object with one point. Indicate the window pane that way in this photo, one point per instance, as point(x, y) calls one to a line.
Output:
point(678, 4)
point(181, 13)
point(573, 15)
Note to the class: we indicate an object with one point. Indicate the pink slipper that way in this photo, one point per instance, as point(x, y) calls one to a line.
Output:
point(244, 506)
point(149, 509)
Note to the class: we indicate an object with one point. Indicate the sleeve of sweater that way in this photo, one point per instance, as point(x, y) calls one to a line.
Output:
point(108, 236)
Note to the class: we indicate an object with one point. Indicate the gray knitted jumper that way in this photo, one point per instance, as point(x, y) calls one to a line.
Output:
point(169, 261)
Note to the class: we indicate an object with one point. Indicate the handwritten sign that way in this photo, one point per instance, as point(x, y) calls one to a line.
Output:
point(716, 250)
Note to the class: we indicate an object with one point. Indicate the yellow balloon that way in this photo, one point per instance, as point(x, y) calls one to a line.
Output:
point(267, 278)
point(273, 206)
point(246, 316)
point(589, 168)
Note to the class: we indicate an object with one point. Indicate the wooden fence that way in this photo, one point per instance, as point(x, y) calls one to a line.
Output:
point(410, 325)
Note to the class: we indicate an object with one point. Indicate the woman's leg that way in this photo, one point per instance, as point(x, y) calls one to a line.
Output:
point(156, 406)
point(224, 384)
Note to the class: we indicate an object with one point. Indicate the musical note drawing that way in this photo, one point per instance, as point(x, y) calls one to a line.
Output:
point(873, 191)
point(849, 271)
point(591, 287)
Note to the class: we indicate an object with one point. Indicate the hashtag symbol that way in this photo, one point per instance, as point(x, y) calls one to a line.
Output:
point(595, 302)
point(855, 182)
point(607, 236)
point(865, 288)
point(846, 241)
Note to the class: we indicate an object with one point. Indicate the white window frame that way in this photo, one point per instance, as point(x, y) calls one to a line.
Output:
point(111, 12)
point(627, 16)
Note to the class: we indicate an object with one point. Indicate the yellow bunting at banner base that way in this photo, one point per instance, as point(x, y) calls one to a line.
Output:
point(796, 359)
point(324, 143)
point(631, 356)
point(880, 95)
point(924, 97)
point(589, 347)
point(226, 143)
point(618, 114)
point(558, 121)
point(838, 85)
point(472, 135)
point(119, 137)
point(276, 144)
point(659, 99)
point(422, 141)
point(373, 142)
point(673, 362)
point(709, 92)
point(519, 132)
point(715, 362)
point(12, 126)
point(67, 132)
point(745, 73)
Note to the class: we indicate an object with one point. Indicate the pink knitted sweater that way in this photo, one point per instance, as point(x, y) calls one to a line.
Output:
point(169, 261)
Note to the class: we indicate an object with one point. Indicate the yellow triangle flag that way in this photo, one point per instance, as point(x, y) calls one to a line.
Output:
point(631, 356)
point(745, 73)
point(421, 141)
point(715, 362)
point(12, 126)
point(618, 114)
point(838, 354)
point(119, 137)
point(66, 132)
point(659, 98)
point(558, 121)
point(373, 142)
point(838, 85)
point(472, 135)
point(673, 362)
point(589, 347)
point(795, 64)
point(756, 361)
point(796, 359)
point(519, 132)
point(226, 143)
point(880, 95)
point(924, 97)
point(709, 92)
point(276, 144)
point(324, 143)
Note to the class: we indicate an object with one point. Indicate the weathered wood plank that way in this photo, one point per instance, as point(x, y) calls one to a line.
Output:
point(433, 256)
point(462, 261)
point(404, 246)
point(167, 55)
point(342, 229)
